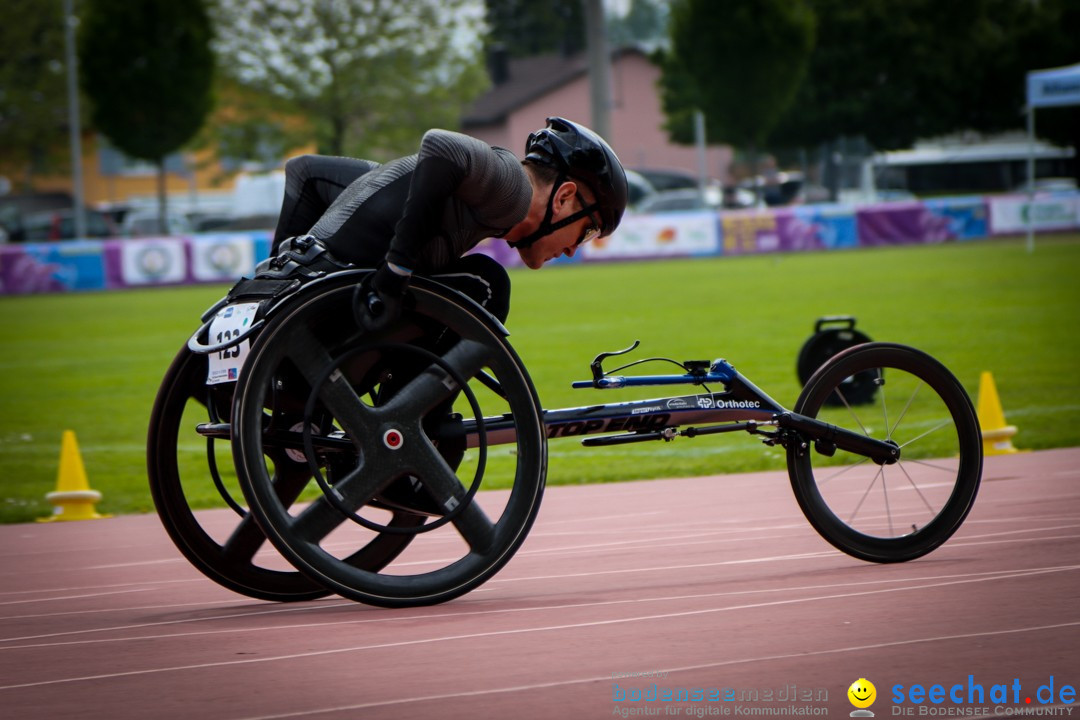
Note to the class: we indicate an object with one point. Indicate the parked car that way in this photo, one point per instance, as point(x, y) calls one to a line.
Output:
point(21, 211)
point(54, 225)
point(662, 180)
point(679, 200)
point(638, 188)
point(147, 223)
point(776, 189)
point(734, 198)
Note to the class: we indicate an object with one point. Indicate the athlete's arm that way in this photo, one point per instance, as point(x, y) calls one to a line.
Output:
point(450, 165)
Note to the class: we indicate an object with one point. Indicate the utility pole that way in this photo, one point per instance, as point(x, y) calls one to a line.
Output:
point(74, 126)
point(599, 67)
point(699, 145)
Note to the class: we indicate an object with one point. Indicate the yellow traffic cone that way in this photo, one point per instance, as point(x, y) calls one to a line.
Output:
point(74, 500)
point(995, 433)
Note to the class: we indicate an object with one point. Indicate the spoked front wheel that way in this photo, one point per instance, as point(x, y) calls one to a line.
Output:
point(898, 511)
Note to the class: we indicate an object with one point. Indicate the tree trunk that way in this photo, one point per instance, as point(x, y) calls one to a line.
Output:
point(337, 139)
point(832, 169)
point(1076, 143)
point(759, 187)
point(163, 198)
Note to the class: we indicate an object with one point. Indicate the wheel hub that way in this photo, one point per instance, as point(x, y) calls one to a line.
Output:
point(393, 439)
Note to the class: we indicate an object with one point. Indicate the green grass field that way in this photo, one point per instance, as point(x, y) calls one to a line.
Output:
point(92, 362)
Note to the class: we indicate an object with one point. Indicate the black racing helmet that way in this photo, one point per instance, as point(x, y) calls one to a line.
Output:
point(581, 154)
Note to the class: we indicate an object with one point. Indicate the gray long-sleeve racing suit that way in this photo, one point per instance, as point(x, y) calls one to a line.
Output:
point(421, 212)
point(426, 210)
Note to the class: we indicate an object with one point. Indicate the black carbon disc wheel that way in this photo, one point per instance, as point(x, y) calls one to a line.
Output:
point(891, 512)
point(394, 442)
point(186, 469)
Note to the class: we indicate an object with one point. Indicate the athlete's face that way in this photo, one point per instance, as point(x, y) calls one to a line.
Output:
point(566, 240)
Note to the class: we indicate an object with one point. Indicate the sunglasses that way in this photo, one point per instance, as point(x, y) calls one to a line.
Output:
point(592, 231)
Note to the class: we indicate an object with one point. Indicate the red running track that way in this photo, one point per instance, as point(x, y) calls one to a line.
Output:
point(703, 585)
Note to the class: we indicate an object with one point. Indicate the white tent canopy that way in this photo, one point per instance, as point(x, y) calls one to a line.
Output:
point(1054, 87)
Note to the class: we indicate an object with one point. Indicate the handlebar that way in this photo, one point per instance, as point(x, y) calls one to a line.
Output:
point(609, 382)
point(698, 372)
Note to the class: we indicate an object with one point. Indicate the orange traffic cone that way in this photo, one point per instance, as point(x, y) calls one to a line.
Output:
point(74, 500)
point(995, 433)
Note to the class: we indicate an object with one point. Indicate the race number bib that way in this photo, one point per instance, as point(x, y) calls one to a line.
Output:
point(230, 322)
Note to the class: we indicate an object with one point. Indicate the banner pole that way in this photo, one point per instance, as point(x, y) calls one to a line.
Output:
point(1031, 177)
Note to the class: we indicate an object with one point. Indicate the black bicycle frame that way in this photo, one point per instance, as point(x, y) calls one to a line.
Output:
point(741, 406)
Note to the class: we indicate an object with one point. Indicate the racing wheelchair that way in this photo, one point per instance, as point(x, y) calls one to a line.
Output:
point(346, 448)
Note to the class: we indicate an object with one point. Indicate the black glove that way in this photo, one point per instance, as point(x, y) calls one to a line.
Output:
point(381, 298)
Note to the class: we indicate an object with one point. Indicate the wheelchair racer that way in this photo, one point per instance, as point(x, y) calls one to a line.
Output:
point(423, 212)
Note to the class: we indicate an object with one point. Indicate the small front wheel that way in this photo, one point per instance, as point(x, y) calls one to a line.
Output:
point(903, 510)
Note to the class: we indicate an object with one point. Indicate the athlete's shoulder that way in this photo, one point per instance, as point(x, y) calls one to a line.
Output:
point(453, 145)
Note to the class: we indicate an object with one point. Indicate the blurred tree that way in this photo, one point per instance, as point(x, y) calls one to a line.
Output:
point(530, 28)
point(33, 100)
point(644, 25)
point(369, 75)
point(147, 68)
point(894, 71)
point(740, 62)
point(1050, 42)
point(250, 129)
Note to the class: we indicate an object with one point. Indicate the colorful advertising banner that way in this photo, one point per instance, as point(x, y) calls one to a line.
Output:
point(817, 227)
point(897, 224)
point(1010, 214)
point(749, 231)
point(51, 267)
point(149, 261)
point(682, 234)
point(225, 257)
point(499, 251)
point(222, 258)
point(963, 218)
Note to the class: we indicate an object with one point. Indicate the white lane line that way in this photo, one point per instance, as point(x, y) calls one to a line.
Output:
point(162, 623)
point(655, 543)
point(964, 543)
point(952, 544)
point(956, 543)
point(76, 597)
point(649, 541)
point(685, 668)
point(670, 568)
point(459, 614)
point(526, 630)
point(1021, 531)
point(544, 522)
point(164, 606)
point(131, 564)
point(101, 587)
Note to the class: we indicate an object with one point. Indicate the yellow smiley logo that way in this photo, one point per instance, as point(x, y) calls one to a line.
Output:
point(862, 693)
